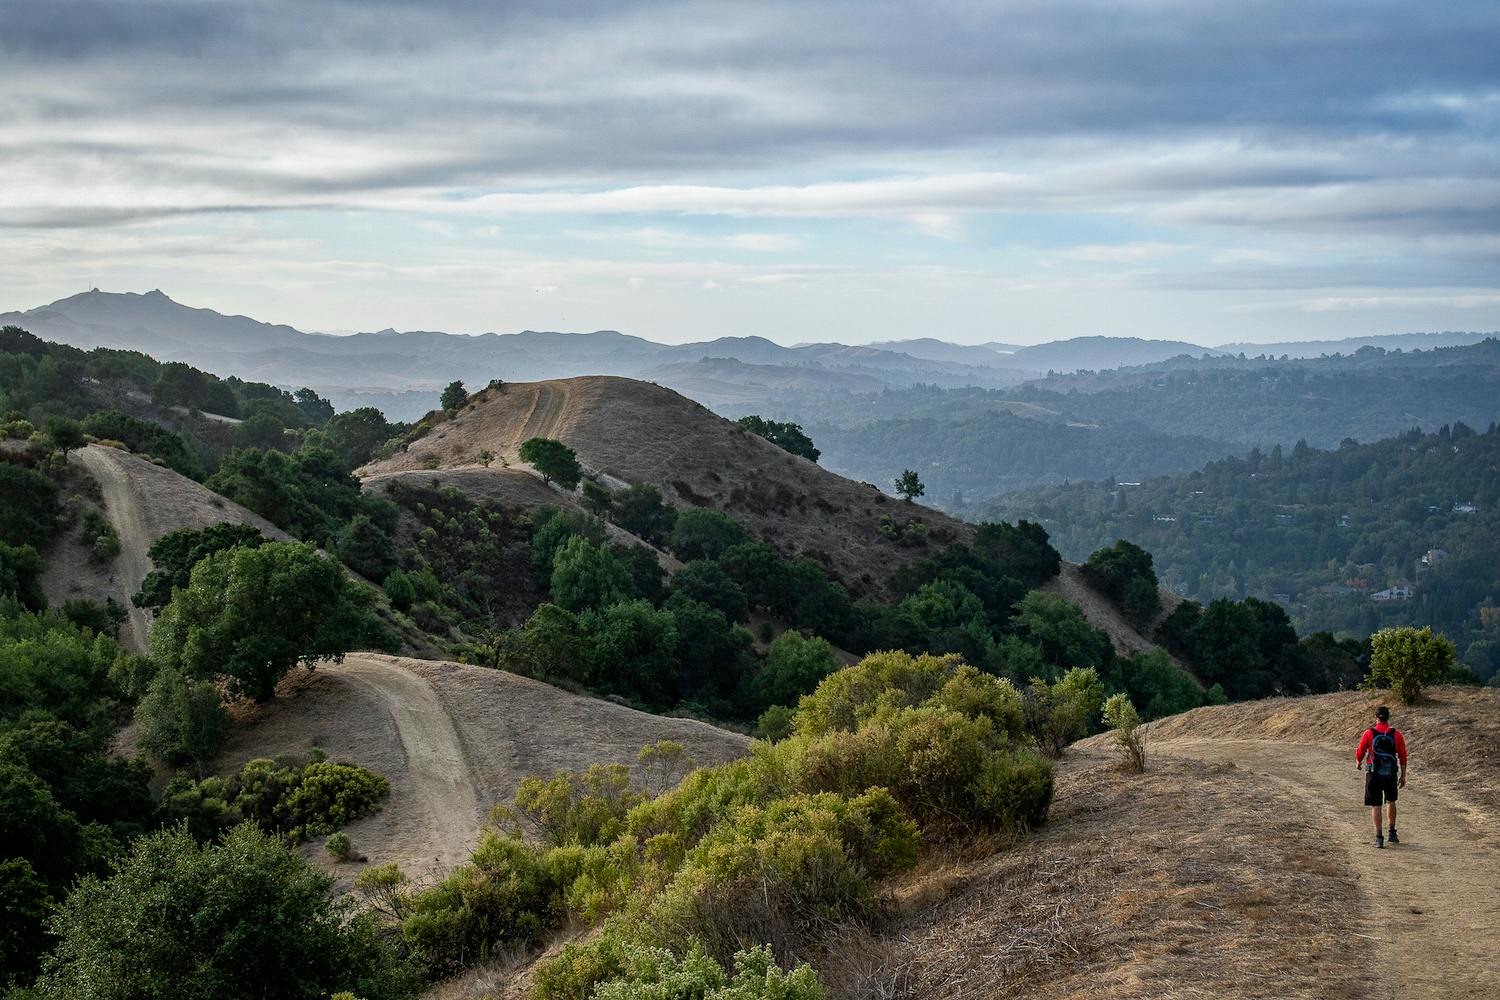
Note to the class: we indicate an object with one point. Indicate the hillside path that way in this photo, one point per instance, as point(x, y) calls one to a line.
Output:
point(435, 805)
point(1432, 907)
point(123, 507)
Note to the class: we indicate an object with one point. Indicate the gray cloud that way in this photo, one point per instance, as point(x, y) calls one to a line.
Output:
point(1337, 115)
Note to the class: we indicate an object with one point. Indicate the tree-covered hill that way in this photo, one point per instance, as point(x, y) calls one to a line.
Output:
point(1334, 535)
point(992, 451)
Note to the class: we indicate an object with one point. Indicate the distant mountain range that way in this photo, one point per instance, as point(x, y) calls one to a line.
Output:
point(402, 372)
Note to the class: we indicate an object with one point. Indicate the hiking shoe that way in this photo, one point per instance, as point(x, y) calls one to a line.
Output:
point(1379, 840)
point(1393, 838)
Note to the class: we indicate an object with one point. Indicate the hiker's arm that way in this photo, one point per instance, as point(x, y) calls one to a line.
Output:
point(1401, 753)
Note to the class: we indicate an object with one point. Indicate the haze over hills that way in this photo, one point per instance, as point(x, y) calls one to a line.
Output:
point(401, 371)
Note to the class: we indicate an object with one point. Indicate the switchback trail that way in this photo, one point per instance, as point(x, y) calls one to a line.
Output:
point(123, 508)
point(435, 804)
point(1432, 908)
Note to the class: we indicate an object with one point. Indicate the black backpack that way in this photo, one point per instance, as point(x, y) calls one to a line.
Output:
point(1383, 752)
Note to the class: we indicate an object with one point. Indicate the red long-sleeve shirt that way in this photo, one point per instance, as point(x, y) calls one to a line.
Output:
point(1366, 739)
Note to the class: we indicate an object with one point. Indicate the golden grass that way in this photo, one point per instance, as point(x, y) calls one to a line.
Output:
point(1191, 880)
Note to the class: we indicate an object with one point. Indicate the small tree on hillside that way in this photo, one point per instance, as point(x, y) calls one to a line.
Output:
point(454, 396)
point(1408, 659)
point(1121, 717)
point(250, 615)
point(909, 485)
point(554, 460)
point(65, 434)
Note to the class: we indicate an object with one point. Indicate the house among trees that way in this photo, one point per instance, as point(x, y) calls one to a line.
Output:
point(1465, 508)
point(1400, 592)
point(1434, 556)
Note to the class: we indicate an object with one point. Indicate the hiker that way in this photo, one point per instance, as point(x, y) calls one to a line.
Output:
point(1382, 753)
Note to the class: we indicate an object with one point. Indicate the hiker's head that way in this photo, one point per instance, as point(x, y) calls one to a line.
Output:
point(1383, 714)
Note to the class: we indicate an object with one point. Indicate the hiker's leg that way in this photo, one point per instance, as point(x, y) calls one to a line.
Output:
point(1375, 812)
point(1390, 808)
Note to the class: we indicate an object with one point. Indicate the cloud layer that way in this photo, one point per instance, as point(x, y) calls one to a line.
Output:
point(1143, 144)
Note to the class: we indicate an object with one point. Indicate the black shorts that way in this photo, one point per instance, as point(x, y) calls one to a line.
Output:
point(1376, 786)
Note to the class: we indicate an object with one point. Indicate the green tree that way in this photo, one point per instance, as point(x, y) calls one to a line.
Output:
point(25, 903)
point(241, 920)
point(632, 651)
point(174, 555)
point(703, 533)
point(785, 435)
point(263, 430)
point(1124, 573)
point(705, 581)
point(454, 396)
point(640, 510)
point(64, 433)
point(909, 485)
point(712, 651)
point(354, 435)
point(585, 575)
point(28, 506)
point(250, 615)
point(596, 499)
point(554, 460)
point(181, 720)
point(1407, 660)
point(1065, 635)
point(795, 665)
point(365, 548)
point(21, 576)
point(399, 589)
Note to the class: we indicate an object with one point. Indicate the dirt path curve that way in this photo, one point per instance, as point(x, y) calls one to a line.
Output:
point(551, 399)
point(123, 506)
point(1432, 908)
point(437, 806)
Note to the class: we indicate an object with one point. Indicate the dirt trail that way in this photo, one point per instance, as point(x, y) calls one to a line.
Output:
point(122, 504)
point(442, 812)
point(1432, 904)
point(550, 402)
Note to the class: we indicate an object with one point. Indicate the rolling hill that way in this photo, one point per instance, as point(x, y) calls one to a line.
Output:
point(636, 432)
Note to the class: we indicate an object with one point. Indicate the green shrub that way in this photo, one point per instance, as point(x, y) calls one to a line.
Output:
point(297, 802)
point(505, 895)
point(329, 796)
point(1408, 659)
point(656, 974)
point(772, 873)
point(884, 682)
point(1060, 713)
point(795, 665)
point(576, 808)
point(1121, 717)
point(103, 540)
point(339, 847)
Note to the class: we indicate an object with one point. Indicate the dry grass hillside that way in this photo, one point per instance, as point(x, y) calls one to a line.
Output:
point(637, 432)
point(143, 502)
point(454, 740)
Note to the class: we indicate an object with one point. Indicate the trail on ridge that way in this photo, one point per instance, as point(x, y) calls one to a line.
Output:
point(1433, 905)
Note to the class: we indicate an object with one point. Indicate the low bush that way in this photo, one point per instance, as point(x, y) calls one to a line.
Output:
point(296, 801)
point(1121, 717)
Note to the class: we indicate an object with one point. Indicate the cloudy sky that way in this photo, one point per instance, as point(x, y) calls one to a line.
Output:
point(809, 170)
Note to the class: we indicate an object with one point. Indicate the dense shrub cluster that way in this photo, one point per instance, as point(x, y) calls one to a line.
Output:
point(299, 801)
point(772, 848)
